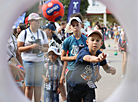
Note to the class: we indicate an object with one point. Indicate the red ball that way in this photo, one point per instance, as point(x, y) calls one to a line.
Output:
point(22, 68)
point(53, 10)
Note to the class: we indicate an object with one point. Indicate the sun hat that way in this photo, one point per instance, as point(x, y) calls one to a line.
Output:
point(34, 16)
point(50, 26)
point(74, 18)
point(95, 32)
point(54, 49)
point(67, 29)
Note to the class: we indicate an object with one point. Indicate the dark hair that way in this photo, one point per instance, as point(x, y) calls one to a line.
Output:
point(63, 23)
point(77, 15)
point(22, 26)
point(97, 23)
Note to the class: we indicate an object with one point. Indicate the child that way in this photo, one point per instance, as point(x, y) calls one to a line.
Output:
point(123, 48)
point(86, 70)
point(51, 75)
point(73, 43)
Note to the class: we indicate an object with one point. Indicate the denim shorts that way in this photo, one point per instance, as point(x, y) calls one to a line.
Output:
point(33, 73)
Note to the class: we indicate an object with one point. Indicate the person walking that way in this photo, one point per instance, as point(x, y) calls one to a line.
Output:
point(32, 42)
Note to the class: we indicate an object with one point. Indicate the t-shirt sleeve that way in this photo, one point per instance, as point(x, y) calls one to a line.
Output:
point(81, 54)
point(65, 45)
point(21, 36)
point(104, 62)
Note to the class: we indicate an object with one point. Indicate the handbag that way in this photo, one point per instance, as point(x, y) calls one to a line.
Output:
point(13, 59)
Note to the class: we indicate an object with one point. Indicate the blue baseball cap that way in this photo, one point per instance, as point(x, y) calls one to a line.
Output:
point(50, 26)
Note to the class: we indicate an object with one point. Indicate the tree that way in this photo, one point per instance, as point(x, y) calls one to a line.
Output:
point(83, 7)
point(33, 9)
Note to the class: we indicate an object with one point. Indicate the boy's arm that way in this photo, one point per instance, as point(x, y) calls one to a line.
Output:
point(94, 59)
point(109, 69)
point(62, 78)
point(66, 58)
point(46, 80)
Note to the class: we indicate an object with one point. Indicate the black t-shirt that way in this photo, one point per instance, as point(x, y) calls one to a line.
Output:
point(104, 30)
point(83, 72)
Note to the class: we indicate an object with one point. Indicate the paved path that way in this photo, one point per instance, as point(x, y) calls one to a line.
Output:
point(109, 82)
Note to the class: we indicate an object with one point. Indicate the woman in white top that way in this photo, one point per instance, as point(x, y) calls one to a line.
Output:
point(32, 42)
point(12, 51)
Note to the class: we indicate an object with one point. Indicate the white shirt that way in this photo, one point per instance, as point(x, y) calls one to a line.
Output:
point(29, 56)
point(10, 47)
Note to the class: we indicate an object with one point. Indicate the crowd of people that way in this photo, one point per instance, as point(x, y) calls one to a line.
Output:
point(58, 53)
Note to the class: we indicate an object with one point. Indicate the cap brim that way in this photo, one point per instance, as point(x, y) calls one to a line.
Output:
point(38, 18)
point(74, 19)
point(95, 32)
point(54, 52)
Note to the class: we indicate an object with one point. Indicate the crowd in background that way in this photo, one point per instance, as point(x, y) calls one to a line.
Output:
point(50, 62)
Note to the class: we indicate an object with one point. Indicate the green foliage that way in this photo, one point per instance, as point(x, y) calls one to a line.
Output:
point(83, 7)
point(33, 9)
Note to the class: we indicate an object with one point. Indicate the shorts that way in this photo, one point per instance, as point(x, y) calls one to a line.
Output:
point(116, 36)
point(33, 73)
point(68, 74)
point(76, 95)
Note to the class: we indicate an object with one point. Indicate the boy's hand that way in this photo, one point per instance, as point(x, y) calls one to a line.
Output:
point(58, 90)
point(112, 70)
point(46, 80)
point(62, 79)
point(102, 56)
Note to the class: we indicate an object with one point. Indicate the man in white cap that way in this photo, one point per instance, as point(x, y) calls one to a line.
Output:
point(32, 42)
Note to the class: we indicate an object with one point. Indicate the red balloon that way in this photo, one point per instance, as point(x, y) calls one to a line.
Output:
point(53, 10)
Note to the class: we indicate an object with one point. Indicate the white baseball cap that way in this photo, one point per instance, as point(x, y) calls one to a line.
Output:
point(95, 32)
point(54, 49)
point(34, 16)
point(74, 18)
point(67, 29)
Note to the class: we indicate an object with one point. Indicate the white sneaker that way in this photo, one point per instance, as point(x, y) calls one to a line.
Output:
point(108, 61)
point(122, 76)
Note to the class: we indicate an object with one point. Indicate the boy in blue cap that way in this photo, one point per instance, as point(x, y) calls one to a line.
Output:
point(53, 40)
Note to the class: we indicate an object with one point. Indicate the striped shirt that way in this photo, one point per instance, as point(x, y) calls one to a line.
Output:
point(53, 72)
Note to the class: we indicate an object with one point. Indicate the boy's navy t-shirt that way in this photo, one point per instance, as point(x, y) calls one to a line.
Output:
point(83, 71)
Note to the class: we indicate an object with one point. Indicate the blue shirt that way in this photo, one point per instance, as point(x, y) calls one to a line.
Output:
point(71, 45)
point(83, 72)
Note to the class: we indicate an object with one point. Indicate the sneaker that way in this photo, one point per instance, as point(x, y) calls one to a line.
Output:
point(122, 76)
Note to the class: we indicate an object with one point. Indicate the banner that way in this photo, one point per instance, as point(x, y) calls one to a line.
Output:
point(74, 7)
point(19, 20)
